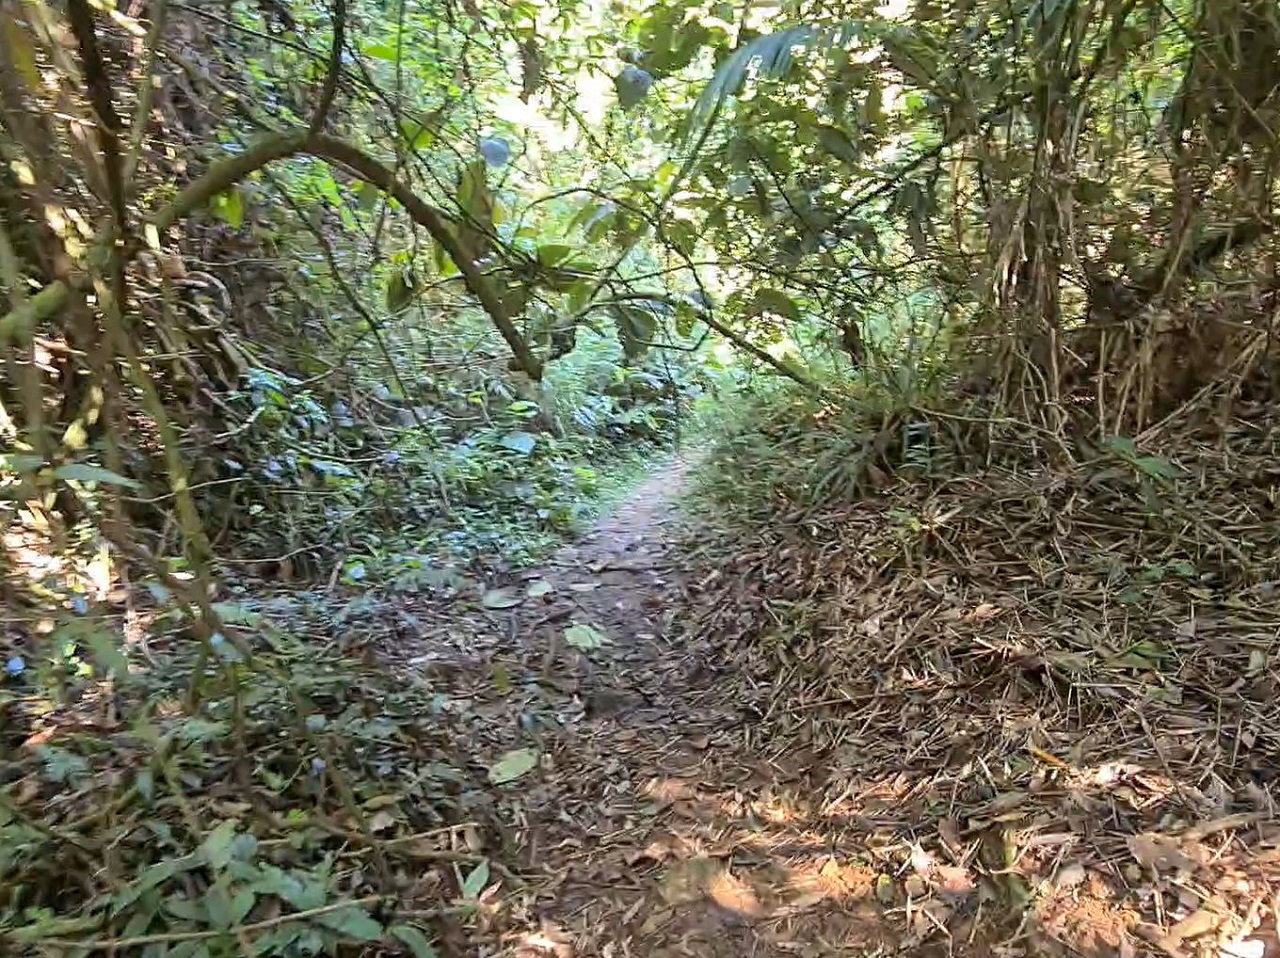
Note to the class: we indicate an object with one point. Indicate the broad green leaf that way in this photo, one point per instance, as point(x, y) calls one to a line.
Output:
point(414, 939)
point(83, 472)
point(353, 922)
point(836, 142)
point(380, 51)
point(418, 136)
point(540, 588)
point(1157, 467)
point(513, 765)
point(476, 881)
point(584, 637)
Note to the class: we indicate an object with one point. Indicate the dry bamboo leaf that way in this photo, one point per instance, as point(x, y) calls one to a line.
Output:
point(1199, 922)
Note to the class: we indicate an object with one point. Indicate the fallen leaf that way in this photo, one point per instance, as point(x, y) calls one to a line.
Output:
point(539, 588)
point(382, 821)
point(584, 637)
point(733, 894)
point(1198, 923)
point(584, 586)
point(501, 599)
point(512, 765)
point(700, 742)
point(1159, 852)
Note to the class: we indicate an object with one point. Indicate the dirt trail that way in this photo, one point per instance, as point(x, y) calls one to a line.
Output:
point(658, 822)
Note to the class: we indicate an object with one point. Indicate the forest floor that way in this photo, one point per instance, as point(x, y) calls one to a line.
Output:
point(658, 822)
point(645, 802)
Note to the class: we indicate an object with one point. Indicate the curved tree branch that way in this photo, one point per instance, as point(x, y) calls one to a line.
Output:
point(227, 172)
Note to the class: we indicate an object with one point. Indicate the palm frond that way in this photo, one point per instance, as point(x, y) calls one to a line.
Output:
point(771, 56)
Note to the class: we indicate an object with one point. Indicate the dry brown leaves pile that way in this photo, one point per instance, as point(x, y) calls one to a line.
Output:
point(1045, 698)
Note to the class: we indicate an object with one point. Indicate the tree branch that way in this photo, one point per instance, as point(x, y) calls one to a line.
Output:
point(225, 173)
point(99, 89)
point(335, 67)
point(436, 223)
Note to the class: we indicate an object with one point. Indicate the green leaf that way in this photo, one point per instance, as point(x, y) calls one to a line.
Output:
point(229, 207)
point(233, 614)
point(217, 847)
point(836, 142)
point(242, 903)
point(107, 654)
point(1123, 445)
point(400, 290)
point(584, 637)
point(513, 765)
point(521, 442)
point(773, 301)
point(415, 940)
point(476, 881)
point(18, 462)
point(353, 922)
point(367, 196)
point(553, 254)
point(380, 51)
point(418, 136)
point(539, 588)
point(83, 472)
point(1157, 467)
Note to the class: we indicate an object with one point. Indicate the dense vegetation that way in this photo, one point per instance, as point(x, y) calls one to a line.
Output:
point(367, 297)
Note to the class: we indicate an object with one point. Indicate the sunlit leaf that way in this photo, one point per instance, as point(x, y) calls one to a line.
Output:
point(229, 207)
point(380, 51)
